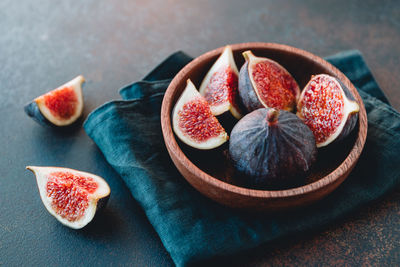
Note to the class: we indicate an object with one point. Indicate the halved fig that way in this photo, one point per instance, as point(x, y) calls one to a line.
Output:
point(265, 83)
point(194, 123)
point(220, 85)
point(71, 196)
point(59, 107)
point(328, 108)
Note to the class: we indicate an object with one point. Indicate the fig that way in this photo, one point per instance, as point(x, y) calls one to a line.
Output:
point(220, 85)
point(59, 107)
point(328, 108)
point(194, 123)
point(265, 83)
point(272, 148)
point(71, 196)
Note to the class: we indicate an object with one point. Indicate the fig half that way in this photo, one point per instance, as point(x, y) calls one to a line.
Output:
point(59, 107)
point(71, 196)
point(328, 108)
point(220, 85)
point(264, 83)
point(194, 123)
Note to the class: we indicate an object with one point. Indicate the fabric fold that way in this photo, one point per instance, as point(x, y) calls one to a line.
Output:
point(194, 228)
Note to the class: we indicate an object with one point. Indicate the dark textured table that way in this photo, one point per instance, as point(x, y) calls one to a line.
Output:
point(45, 43)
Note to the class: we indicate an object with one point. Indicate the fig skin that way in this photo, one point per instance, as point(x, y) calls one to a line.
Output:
point(352, 117)
point(32, 110)
point(246, 92)
point(272, 149)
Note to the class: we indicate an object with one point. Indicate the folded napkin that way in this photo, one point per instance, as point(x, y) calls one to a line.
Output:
point(193, 228)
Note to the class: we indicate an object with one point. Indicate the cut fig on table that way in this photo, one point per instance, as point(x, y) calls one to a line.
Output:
point(220, 85)
point(328, 108)
point(71, 196)
point(265, 83)
point(59, 107)
point(194, 123)
point(272, 148)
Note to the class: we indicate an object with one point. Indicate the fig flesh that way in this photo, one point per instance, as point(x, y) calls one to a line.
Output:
point(71, 196)
point(272, 149)
point(265, 83)
point(59, 107)
point(220, 85)
point(328, 108)
point(194, 123)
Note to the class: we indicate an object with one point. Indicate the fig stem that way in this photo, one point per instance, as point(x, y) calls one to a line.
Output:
point(272, 115)
point(247, 55)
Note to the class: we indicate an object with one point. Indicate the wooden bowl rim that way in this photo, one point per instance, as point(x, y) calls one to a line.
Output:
point(173, 147)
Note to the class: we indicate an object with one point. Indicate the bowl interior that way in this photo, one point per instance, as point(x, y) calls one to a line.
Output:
point(302, 66)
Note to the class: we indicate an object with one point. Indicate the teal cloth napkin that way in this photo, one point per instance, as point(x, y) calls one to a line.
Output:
point(193, 228)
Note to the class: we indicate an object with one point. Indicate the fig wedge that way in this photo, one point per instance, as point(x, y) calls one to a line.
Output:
point(71, 196)
point(59, 107)
point(220, 85)
point(194, 123)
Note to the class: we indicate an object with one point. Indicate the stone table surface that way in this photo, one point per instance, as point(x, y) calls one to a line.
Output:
point(45, 43)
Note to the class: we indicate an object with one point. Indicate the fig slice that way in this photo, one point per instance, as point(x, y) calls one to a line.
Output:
point(59, 107)
point(194, 123)
point(220, 85)
point(328, 108)
point(71, 196)
point(265, 83)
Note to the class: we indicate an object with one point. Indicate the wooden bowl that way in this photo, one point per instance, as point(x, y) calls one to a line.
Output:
point(208, 172)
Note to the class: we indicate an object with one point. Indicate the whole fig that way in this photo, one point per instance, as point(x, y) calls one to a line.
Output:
point(272, 148)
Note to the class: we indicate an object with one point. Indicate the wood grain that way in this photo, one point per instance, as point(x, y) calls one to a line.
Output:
point(333, 165)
